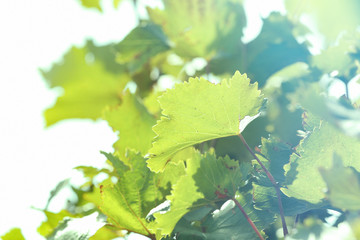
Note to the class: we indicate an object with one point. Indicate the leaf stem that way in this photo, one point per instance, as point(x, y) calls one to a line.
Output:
point(247, 218)
point(272, 180)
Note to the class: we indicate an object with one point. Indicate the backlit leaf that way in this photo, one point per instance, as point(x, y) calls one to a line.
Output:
point(207, 180)
point(200, 28)
point(142, 43)
point(128, 202)
point(198, 111)
point(315, 151)
point(13, 234)
point(133, 123)
point(87, 86)
point(340, 193)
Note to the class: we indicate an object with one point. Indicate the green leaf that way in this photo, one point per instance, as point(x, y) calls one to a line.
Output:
point(133, 123)
point(201, 28)
point(53, 219)
point(77, 228)
point(87, 86)
point(226, 223)
point(273, 49)
point(274, 154)
point(142, 43)
point(182, 198)
point(212, 111)
point(207, 180)
point(229, 223)
point(107, 233)
point(340, 193)
point(220, 177)
point(265, 198)
point(128, 202)
point(315, 151)
point(13, 234)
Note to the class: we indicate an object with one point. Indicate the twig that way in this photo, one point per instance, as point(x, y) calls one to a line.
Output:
point(247, 218)
point(274, 183)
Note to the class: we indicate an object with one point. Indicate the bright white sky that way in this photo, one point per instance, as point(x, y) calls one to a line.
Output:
point(34, 159)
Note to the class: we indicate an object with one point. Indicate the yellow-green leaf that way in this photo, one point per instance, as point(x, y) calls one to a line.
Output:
point(133, 123)
point(87, 86)
point(198, 111)
point(13, 234)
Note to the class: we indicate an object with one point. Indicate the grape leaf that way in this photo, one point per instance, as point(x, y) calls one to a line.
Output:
point(315, 151)
point(207, 180)
point(200, 28)
point(142, 43)
point(198, 111)
point(53, 219)
point(183, 195)
point(230, 223)
point(274, 154)
point(220, 177)
point(127, 203)
point(13, 234)
point(133, 123)
point(340, 193)
point(88, 86)
point(273, 49)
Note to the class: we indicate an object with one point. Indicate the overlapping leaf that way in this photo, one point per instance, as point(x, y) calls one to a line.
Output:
point(133, 123)
point(317, 151)
point(53, 219)
point(128, 202)
point(87, 84)
point(198, 111)
point(229, 223)
point(207, 180)
point(340, 192)
point(142, 43)
point(200, 28)
point(273, 49)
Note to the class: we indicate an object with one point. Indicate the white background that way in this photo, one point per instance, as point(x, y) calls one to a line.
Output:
point(34, 34)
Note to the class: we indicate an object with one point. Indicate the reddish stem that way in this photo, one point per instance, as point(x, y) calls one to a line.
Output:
point(247, 218)
point(274, 183)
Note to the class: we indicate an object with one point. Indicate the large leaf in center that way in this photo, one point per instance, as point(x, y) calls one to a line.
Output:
point(198, 111)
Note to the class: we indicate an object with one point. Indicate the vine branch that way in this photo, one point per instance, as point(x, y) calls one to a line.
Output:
point(247, 217)
point(272, 180)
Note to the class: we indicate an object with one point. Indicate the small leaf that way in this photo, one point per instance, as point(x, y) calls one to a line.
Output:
point(48, 227)
point(13, 234)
